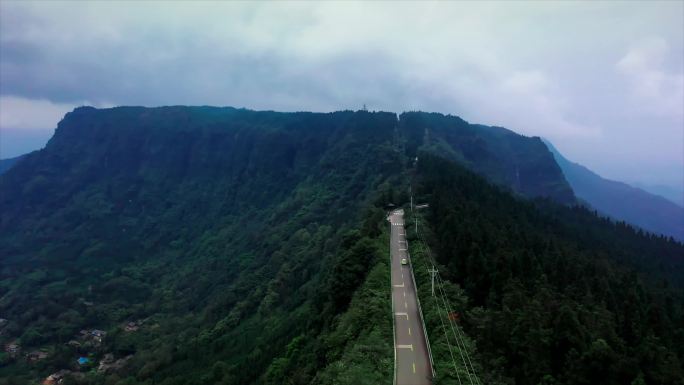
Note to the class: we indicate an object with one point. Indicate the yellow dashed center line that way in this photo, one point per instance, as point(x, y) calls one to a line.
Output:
point(409, 331)
point(414, 367)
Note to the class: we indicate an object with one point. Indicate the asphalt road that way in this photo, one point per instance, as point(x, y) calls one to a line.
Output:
point(412, 358)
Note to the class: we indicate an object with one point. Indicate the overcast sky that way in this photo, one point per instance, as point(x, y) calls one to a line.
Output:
point(604, 81)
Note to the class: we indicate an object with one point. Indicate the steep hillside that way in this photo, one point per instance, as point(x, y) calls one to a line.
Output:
point(550, 294)
point(521, 163)
point(623, 202)
point(215, 231)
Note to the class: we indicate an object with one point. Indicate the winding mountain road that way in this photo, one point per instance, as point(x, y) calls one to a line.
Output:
point(412, 358)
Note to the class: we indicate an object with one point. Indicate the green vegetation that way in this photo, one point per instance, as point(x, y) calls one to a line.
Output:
point(230, 237)
point(520, 164)
point(550, 294)
point(446, 343)
point(200, 245)
point(357, 344)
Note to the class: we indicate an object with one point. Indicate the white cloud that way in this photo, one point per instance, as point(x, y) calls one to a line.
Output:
point(539, 68)
point(655, 88)
point(23, 113)
point(19, 113)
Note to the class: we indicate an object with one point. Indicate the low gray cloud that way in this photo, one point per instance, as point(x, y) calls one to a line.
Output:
point(602, 80)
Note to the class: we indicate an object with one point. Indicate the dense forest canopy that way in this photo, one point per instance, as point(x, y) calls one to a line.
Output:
point(216, 229)
point(555, 295)
point(202, 245)
point(522, 164)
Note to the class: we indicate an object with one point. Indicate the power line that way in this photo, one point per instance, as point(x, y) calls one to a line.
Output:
point(460, 339)
point(462, 345)
point(447, 311)
point(446, 334)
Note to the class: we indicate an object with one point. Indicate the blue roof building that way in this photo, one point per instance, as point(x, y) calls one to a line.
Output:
point(83, 360)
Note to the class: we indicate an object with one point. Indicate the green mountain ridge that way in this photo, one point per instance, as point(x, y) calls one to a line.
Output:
point(212, 223)
point(549, 293)
point(230, 246)
point(504, 157)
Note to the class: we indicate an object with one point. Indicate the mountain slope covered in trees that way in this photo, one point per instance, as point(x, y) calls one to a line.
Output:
point(522, 164)
point(552, 294)
point(218, 229)
point(226, 246)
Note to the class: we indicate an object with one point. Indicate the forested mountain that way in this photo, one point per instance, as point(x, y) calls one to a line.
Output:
point(227, 238)
point(202, 245)
point(622, 201)
point(553, 294)
point(521, 163)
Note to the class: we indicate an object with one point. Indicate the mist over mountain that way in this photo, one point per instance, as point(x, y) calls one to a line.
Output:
point(622, 201)
point(671, 193)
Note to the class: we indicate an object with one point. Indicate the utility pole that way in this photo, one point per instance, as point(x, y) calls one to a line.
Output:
point(433, 273)
point(411, 194)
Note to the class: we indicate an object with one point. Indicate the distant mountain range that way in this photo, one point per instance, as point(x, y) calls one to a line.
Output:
point(622, 201)
point(670, 193)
